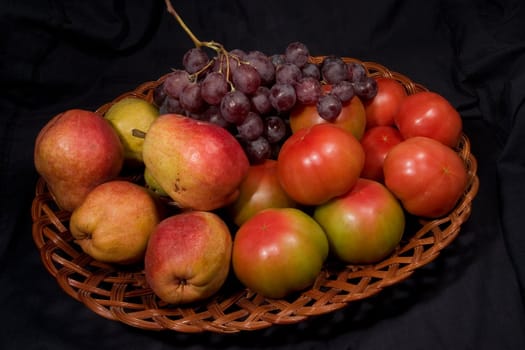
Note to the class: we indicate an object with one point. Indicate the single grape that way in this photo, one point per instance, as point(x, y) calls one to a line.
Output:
point(190, 98)
point(251, 128)
point(171, 105)
point(195, 59)
point(275, 129)
point(213, 115)
point(213, 87)
point(246, 78)
point(287, 73)
point(159, 94)
point(297, 53)
point(175, 82)
point(277, 60)
point(366, 89)
point(282, 97)
point(356, 72)
point(329, 107)
point(334, 71)
point(344, 90)
point(311, 70)
point(258, 150)
point(261, 100)
point(241, 54)
point(263, 65)
point(235, 106)
point(329, 59)
point(308, 90)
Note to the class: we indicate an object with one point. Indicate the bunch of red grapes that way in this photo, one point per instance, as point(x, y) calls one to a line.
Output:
point(251, 94)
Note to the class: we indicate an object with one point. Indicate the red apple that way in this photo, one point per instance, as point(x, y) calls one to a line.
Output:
point(363, 226)
point(377, 142)
point(259, 190)
point(188, 257)
point(74, 152)
point(279, 251)
point(198, 164)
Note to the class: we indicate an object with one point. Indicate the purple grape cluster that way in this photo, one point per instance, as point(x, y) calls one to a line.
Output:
point(251, 93)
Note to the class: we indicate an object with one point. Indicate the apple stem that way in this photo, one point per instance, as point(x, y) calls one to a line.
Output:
point(138, 133)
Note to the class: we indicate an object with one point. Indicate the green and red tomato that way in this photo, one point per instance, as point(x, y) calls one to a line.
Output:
point(279, 251)
point(364, 225)
point(259, 190)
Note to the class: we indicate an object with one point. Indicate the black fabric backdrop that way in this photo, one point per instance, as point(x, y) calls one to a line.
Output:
point(57, 55)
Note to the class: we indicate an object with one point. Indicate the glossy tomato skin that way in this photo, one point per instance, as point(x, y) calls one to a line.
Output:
point(259, 190)
point(377, 142)
point(427, 176)
point(318, 163)
point(352, 117)
point(429, 114)
point(364, 225)
point(279, 251)
point(382, 109)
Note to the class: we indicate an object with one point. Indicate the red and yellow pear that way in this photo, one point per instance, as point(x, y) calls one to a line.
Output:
point(74, 152)
point(200, 165)
point(113, 224)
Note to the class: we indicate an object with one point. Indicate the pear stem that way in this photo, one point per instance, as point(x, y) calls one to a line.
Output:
point(138, 133)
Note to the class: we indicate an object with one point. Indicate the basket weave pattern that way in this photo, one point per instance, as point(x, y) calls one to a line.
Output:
point(122, 294)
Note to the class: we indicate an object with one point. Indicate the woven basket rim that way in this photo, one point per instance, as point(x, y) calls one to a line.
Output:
point(122, 294)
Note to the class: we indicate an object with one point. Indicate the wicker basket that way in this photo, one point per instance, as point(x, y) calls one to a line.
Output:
point(122, 294)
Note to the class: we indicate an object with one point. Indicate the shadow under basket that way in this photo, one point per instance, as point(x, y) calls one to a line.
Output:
point(122, 294)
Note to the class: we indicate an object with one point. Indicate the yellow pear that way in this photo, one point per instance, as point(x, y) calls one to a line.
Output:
point(128, 114)
point(113, 224)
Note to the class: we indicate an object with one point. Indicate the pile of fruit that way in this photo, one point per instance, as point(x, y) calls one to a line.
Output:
point(259, 166)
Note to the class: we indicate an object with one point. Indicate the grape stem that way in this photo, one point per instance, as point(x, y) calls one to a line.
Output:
point(171, 10)
point(198, 43)
point(217, 47)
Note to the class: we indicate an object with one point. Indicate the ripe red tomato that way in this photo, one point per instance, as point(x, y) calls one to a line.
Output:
point(318, 163)
point(352, 117)
point(279, 251)
point(377, 142)
point(364, 225)
point(382, 109)
point(259, 190)
point(427, 176)
point(429, 114)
